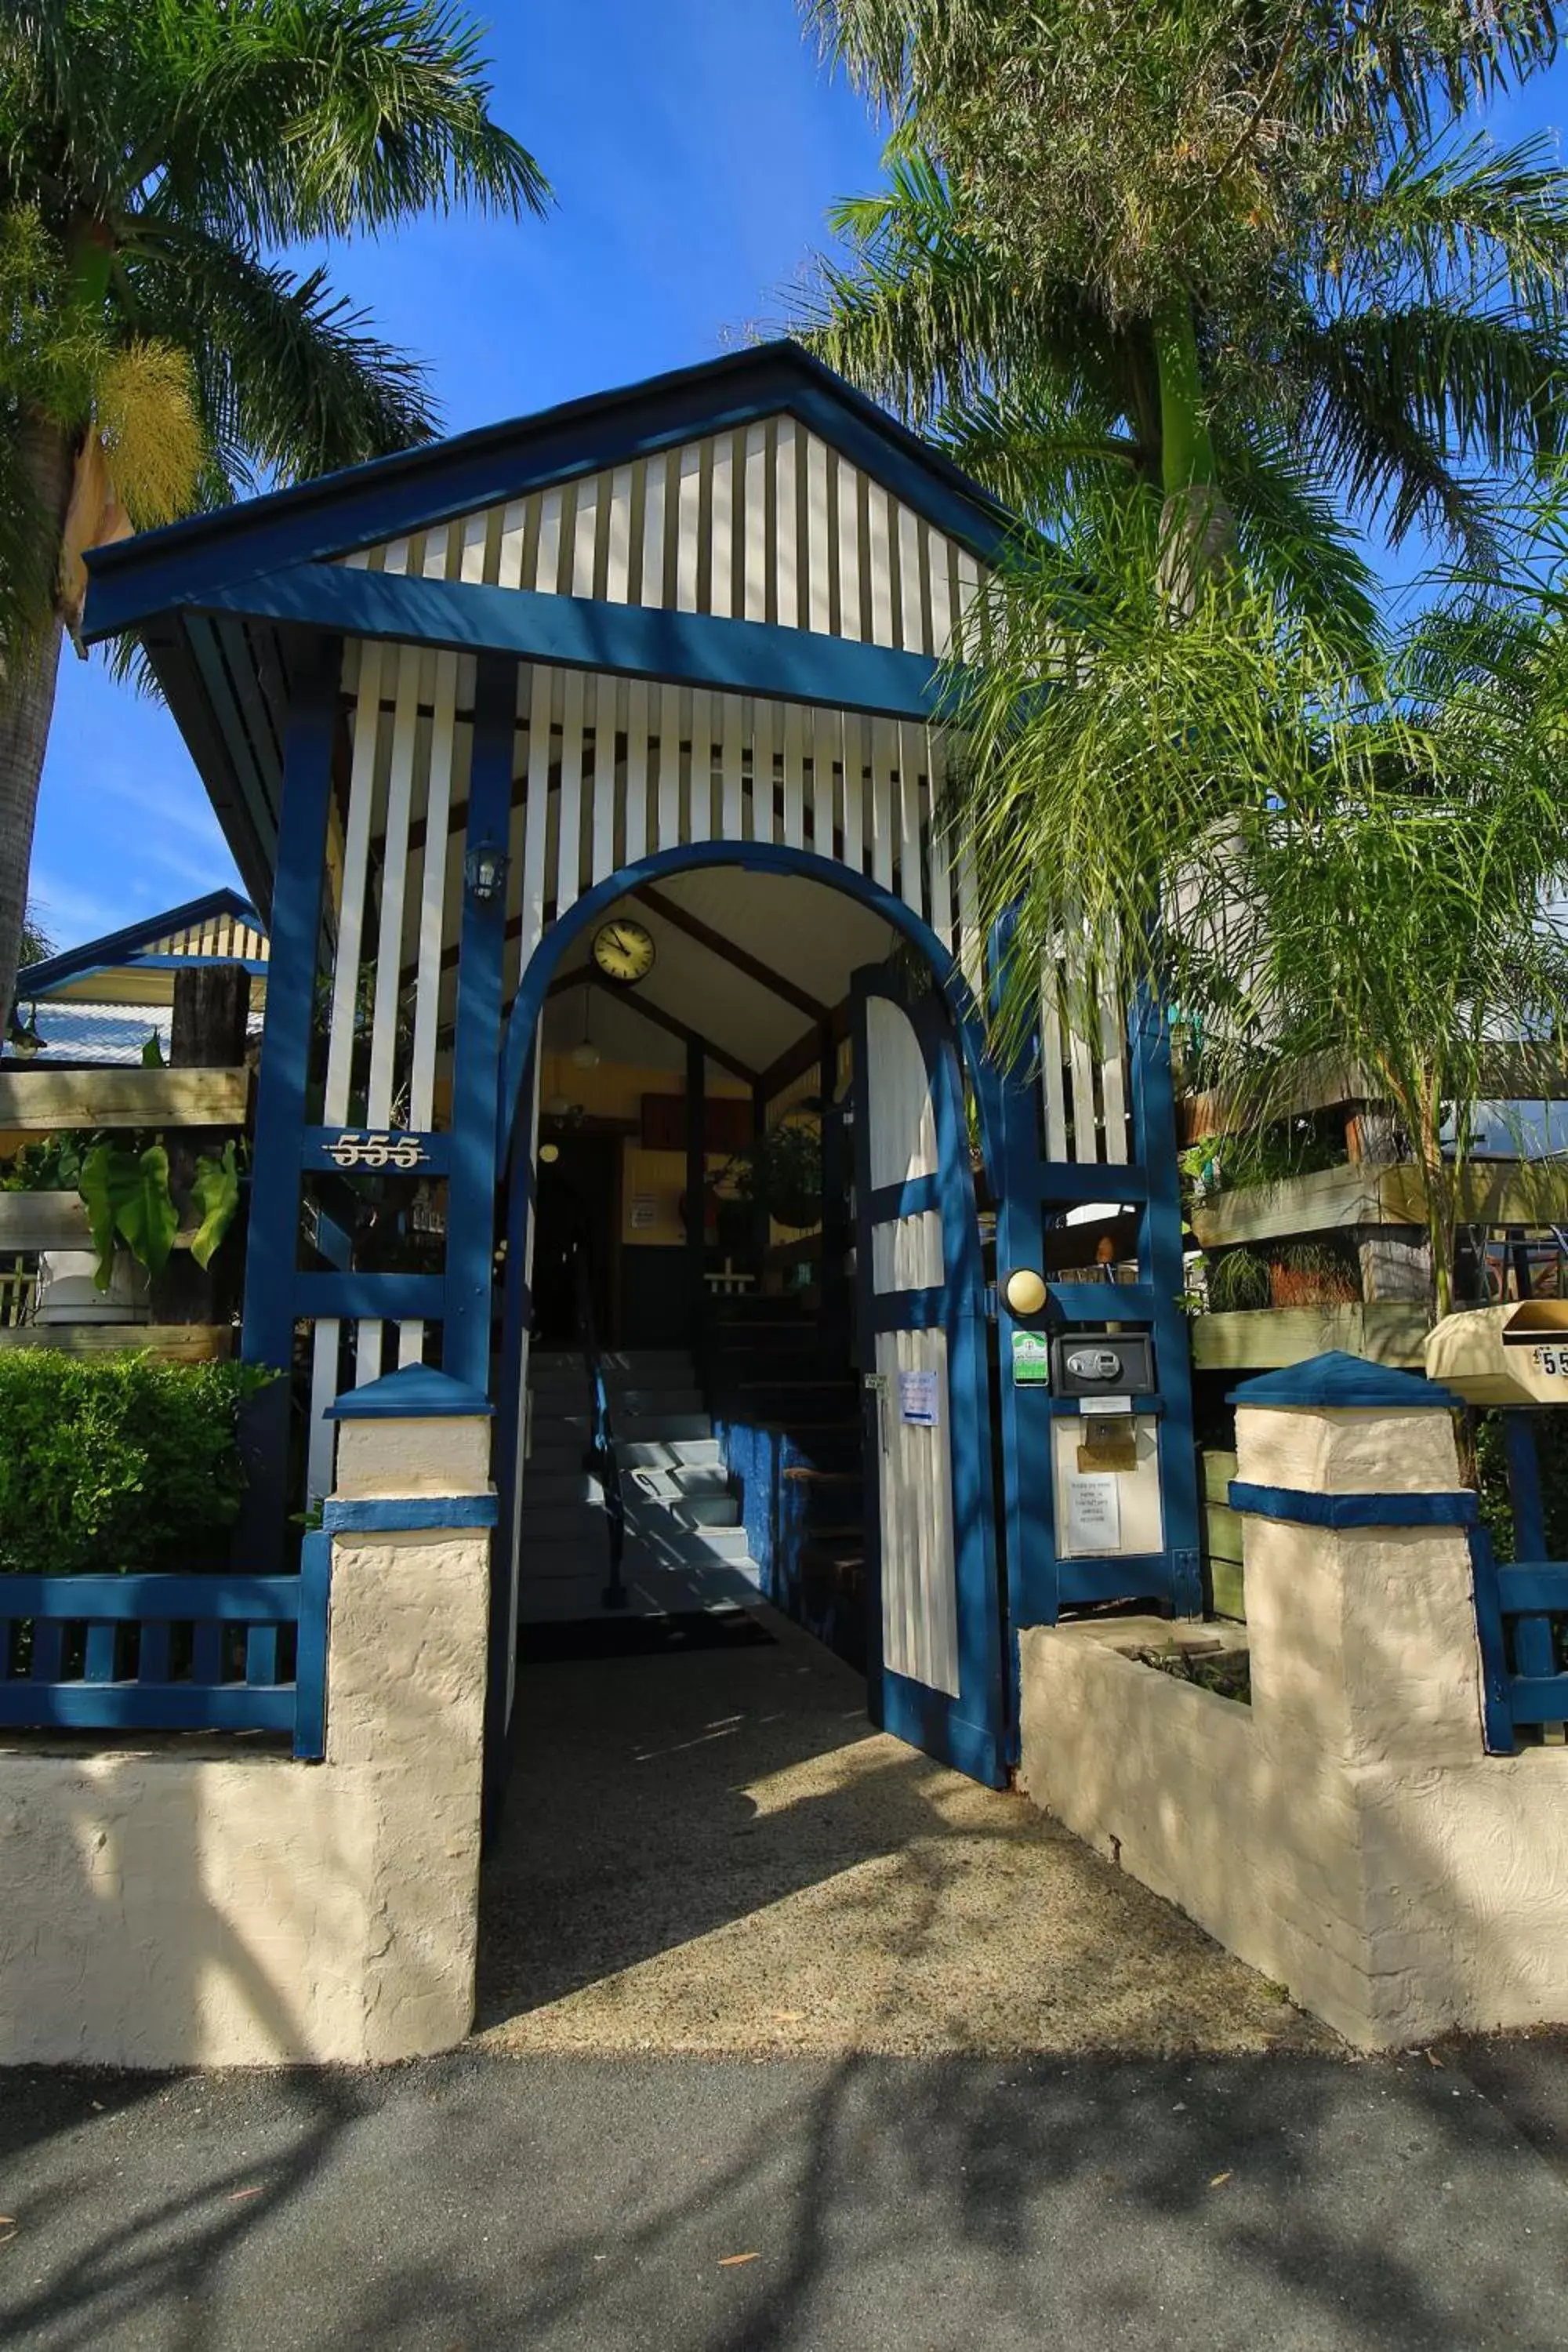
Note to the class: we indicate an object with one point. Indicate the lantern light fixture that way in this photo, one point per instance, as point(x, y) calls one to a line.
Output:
point(484, 871)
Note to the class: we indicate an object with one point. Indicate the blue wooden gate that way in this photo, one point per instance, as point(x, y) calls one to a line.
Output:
point(934, 1639)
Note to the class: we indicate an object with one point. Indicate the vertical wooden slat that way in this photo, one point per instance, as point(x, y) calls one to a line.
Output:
point(569, 829)
point(971, 941)
point(653, 533)
point(723, 526)
point(637, 770)
point(794, 777)
point(618, 567)
point(911, 617)
point(536, 812)
point(394, 887)
point(688, 543)
point(912, 743)
point(669, 768)
point(702, 824)
point(941, 878)
point(585, 538)
point(732, 812)
point(826, 749)
point(513, 533)
point(849, 620)
point(356, 866)
point(884, 753)
point(757, 523)
point(547, 564)
point(1113, 1075)
point(762, 771)
point(819, 555)
point(604, 853)
point(853, 791)
point(1051, 1059)
point(786, 552)
point(880, 565)
point(101, 1662)
point(967, 615)
point(1081, 1057)
point(326, 1341)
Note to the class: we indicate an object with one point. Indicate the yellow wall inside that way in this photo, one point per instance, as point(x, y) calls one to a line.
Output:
point(615, 1090)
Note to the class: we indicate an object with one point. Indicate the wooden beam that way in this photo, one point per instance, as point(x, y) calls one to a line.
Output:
point(172, 1343)
point(636, 1002)
point(670, 911)
point(36, 1100)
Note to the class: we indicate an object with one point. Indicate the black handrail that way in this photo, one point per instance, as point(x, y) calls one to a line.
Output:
point(602, 1458)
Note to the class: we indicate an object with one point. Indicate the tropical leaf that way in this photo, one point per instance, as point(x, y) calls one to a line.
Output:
point(127, 1197)
point(214, 1196)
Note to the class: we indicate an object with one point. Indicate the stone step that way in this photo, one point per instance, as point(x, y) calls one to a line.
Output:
point(654, 1513)
point(561, 1522)
point(630, 1428)
point(673, 1547)
point(669, 1453)
point(630, 1405)
point(655, 1368)
point(678, 1483)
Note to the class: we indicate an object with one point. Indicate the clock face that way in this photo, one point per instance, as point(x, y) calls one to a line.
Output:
point(624, 952)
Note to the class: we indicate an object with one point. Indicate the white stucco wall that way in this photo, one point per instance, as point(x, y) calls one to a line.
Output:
point(1345, 1833)
point(181, 1903)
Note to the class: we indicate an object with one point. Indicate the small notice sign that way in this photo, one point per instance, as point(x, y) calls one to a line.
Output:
point(645, 1212)
point(1093, 1511)
point(917, 1399)
point(1031, 1359)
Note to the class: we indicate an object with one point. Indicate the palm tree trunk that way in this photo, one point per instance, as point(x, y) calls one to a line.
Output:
point(27, 702)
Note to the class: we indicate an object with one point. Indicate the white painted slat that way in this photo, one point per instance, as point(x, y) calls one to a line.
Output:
point(569, 800)
point(732, 808)
point(604, 850)
point(884, 754)
point(536, 816)
point(1080, 1058)
point(513, 530)
point(818, 615)
point(971, 943)
point(1054, 1092)
point(356, 866)
point(880, 565)
point(393, 890)
point(940, 597)
point(850, 624)
point(585, 538)
point(968, 615)
point(786, 509)
point(1113, 1076)
point(853, 791)
point(617, 574)
point(547, 568)
point(912, 743)
point(669, 768)
point(826, 749)
point(701, 828)
point(757, 523)
point(794, 777)
point(940, 880)
point(653, 533)
point(637, 770)
point(912, 629)
point(432, 895)
point(319, 1443)
point(763, 722)
point(689, 546)
point(723, 528)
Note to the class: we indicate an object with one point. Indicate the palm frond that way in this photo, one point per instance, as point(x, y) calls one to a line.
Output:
point(1466, 211)
point(1294, 539)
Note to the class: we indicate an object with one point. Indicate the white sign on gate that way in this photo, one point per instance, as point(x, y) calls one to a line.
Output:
point(917, 1399)
point(1093, 1511)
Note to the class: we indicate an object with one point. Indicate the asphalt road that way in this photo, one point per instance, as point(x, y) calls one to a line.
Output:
point(1298, 2203)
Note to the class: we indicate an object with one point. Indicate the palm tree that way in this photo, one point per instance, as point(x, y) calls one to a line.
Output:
point(1241, 257)
point(154, 155)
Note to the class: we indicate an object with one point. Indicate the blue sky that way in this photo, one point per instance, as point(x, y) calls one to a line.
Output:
point(694, 146)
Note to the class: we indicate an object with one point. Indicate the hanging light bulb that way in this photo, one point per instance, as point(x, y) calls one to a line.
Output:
point(586, 1055)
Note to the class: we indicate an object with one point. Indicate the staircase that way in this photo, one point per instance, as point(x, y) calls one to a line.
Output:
point(686, 1547)
point(788, 1409)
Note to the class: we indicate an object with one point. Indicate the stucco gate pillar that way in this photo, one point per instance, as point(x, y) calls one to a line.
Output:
point(1346, 1832)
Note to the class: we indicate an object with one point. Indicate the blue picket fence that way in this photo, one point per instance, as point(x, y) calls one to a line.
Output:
point(220, 1652)
point(1522, 1606)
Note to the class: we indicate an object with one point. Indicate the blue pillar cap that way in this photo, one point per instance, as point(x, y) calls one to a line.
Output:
point(416, 1392)
point(1338, 1379)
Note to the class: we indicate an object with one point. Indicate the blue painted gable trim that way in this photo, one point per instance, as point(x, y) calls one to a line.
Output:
point(1338, 1379)
point(416, 1392)
point(1310, 1510)
point(123, 946)
point(356, 507)
point(575, 633)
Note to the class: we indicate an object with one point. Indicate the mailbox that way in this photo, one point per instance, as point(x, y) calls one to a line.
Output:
point(1103, 1363)
point(1503, 1355)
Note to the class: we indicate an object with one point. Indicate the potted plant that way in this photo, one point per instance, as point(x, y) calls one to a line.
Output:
point(781, 1173)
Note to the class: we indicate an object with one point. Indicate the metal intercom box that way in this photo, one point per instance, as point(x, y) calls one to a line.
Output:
point(1103, 1363)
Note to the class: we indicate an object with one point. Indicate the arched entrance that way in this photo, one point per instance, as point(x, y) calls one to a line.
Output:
point(901, 1349)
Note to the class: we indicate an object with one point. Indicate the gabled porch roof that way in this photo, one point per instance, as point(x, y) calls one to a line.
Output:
point(224, 602)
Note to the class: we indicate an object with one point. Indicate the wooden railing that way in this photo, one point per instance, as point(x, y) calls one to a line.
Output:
point(169, 1653)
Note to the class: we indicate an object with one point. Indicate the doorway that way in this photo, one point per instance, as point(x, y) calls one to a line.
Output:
point(578, 1206)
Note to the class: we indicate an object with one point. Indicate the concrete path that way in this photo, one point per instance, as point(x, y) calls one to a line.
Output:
point(713, 1853)
point(1304, 2204)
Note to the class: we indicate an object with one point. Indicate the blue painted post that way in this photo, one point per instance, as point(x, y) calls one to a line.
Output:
point(1159, 1269)
point(476, 1044)
point(310, 1655)
point(267, 1332)
point(509, 1468)
point(1534, 1653)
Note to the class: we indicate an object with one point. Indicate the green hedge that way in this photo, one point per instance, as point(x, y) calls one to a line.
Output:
point(117, 1462)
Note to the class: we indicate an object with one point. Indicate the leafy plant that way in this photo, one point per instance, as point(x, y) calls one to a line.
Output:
point(1237, 1280)
point(215, 1197)
point(781, 1173)
point(118, 1462)
point(127, 1197)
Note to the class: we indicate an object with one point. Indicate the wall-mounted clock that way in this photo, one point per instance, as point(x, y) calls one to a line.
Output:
point(624, 952)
